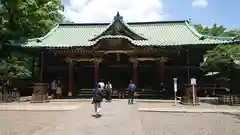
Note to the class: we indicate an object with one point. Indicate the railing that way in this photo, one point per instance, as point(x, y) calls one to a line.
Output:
point(9, 96)
point(212, 90)
point(116, 92)
point(229, 99)
point(222, 93)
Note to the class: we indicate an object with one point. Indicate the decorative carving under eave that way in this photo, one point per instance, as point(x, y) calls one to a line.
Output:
point(116, 51)
point(161, 59)
point(113, 44)
point(80, 50)
point(97, 60)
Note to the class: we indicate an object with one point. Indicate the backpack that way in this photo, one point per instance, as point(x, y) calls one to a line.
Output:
point(97, 96)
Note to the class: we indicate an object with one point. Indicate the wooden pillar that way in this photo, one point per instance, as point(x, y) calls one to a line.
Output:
point(188, 69)
point(70, 77)
point(96, 70)
point(161, 69)
point(161, 73)
point(33, 67)
point(41, 61)
point(135, 74)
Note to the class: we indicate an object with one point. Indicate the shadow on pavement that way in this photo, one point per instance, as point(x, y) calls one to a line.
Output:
point(97, 116)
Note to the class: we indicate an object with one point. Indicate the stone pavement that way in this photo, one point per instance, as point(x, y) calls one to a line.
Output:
point(178, 108)
point(192, 110)
point(51, 106)
point(118, 118)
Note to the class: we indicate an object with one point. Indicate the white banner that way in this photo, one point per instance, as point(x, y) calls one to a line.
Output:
point(175, 84)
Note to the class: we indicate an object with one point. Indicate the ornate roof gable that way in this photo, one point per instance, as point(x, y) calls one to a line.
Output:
point(119, 28)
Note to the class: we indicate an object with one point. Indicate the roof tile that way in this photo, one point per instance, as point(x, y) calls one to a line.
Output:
point(156, 33)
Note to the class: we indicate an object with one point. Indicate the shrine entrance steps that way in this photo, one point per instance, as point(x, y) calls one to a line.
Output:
point(140, 94)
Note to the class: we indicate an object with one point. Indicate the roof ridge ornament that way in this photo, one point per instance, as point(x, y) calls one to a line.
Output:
point(118, 17)
point(190, 21)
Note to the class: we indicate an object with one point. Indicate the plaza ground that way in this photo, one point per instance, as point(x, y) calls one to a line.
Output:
point(118, 118)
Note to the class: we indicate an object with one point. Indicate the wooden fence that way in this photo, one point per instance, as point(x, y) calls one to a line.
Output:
point(9, 96)
point(229, 99)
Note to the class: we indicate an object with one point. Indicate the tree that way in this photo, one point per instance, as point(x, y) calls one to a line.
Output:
point(15, 66)
point(222, 57)
point(66, 21)
point(25, 19)
point(226, 60)
point(28, 18)
point(213, 31)
point(232, 33)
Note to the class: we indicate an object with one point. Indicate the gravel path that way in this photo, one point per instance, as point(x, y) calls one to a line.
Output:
point(189, 124)
point(118, 118)
point(26, 122)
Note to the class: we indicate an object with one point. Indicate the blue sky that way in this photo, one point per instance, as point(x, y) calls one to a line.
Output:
point(222, 12)
point(205, 12)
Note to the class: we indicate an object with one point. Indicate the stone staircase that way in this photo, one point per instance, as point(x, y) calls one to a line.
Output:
point(147, 94)
point(85, 93)
point(140, 93)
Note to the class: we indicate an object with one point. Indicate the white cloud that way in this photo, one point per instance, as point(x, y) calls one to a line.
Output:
point(200, 3)
point(104, 10)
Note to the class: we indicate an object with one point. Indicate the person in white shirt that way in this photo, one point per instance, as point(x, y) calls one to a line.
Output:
point(101, 84)
point(108, 88)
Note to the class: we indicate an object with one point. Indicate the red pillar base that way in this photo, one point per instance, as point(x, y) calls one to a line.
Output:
point(70, 79)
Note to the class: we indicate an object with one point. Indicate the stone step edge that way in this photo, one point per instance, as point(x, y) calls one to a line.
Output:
point(184, 110)
point(39, 108)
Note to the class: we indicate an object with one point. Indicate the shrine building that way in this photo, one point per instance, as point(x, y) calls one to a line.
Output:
point(149, 53)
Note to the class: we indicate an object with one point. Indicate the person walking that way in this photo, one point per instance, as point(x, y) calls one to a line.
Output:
point(131, 90)
point(97, 99)
point(59, 89)
point(53, 89)
point(108, 91)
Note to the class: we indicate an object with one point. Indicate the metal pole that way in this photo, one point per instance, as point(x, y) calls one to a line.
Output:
point(194, 99)
point(175, 94)
point(175, 89)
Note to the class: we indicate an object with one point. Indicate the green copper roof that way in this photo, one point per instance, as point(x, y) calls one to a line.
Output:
point(165, 33)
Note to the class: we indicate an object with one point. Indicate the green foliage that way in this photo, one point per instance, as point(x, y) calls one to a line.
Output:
point(222, 57)
point(15, 66)
point(25, 19)
point(232, 33)
point(66, 21)
point(213, 31)
point(28, 18)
